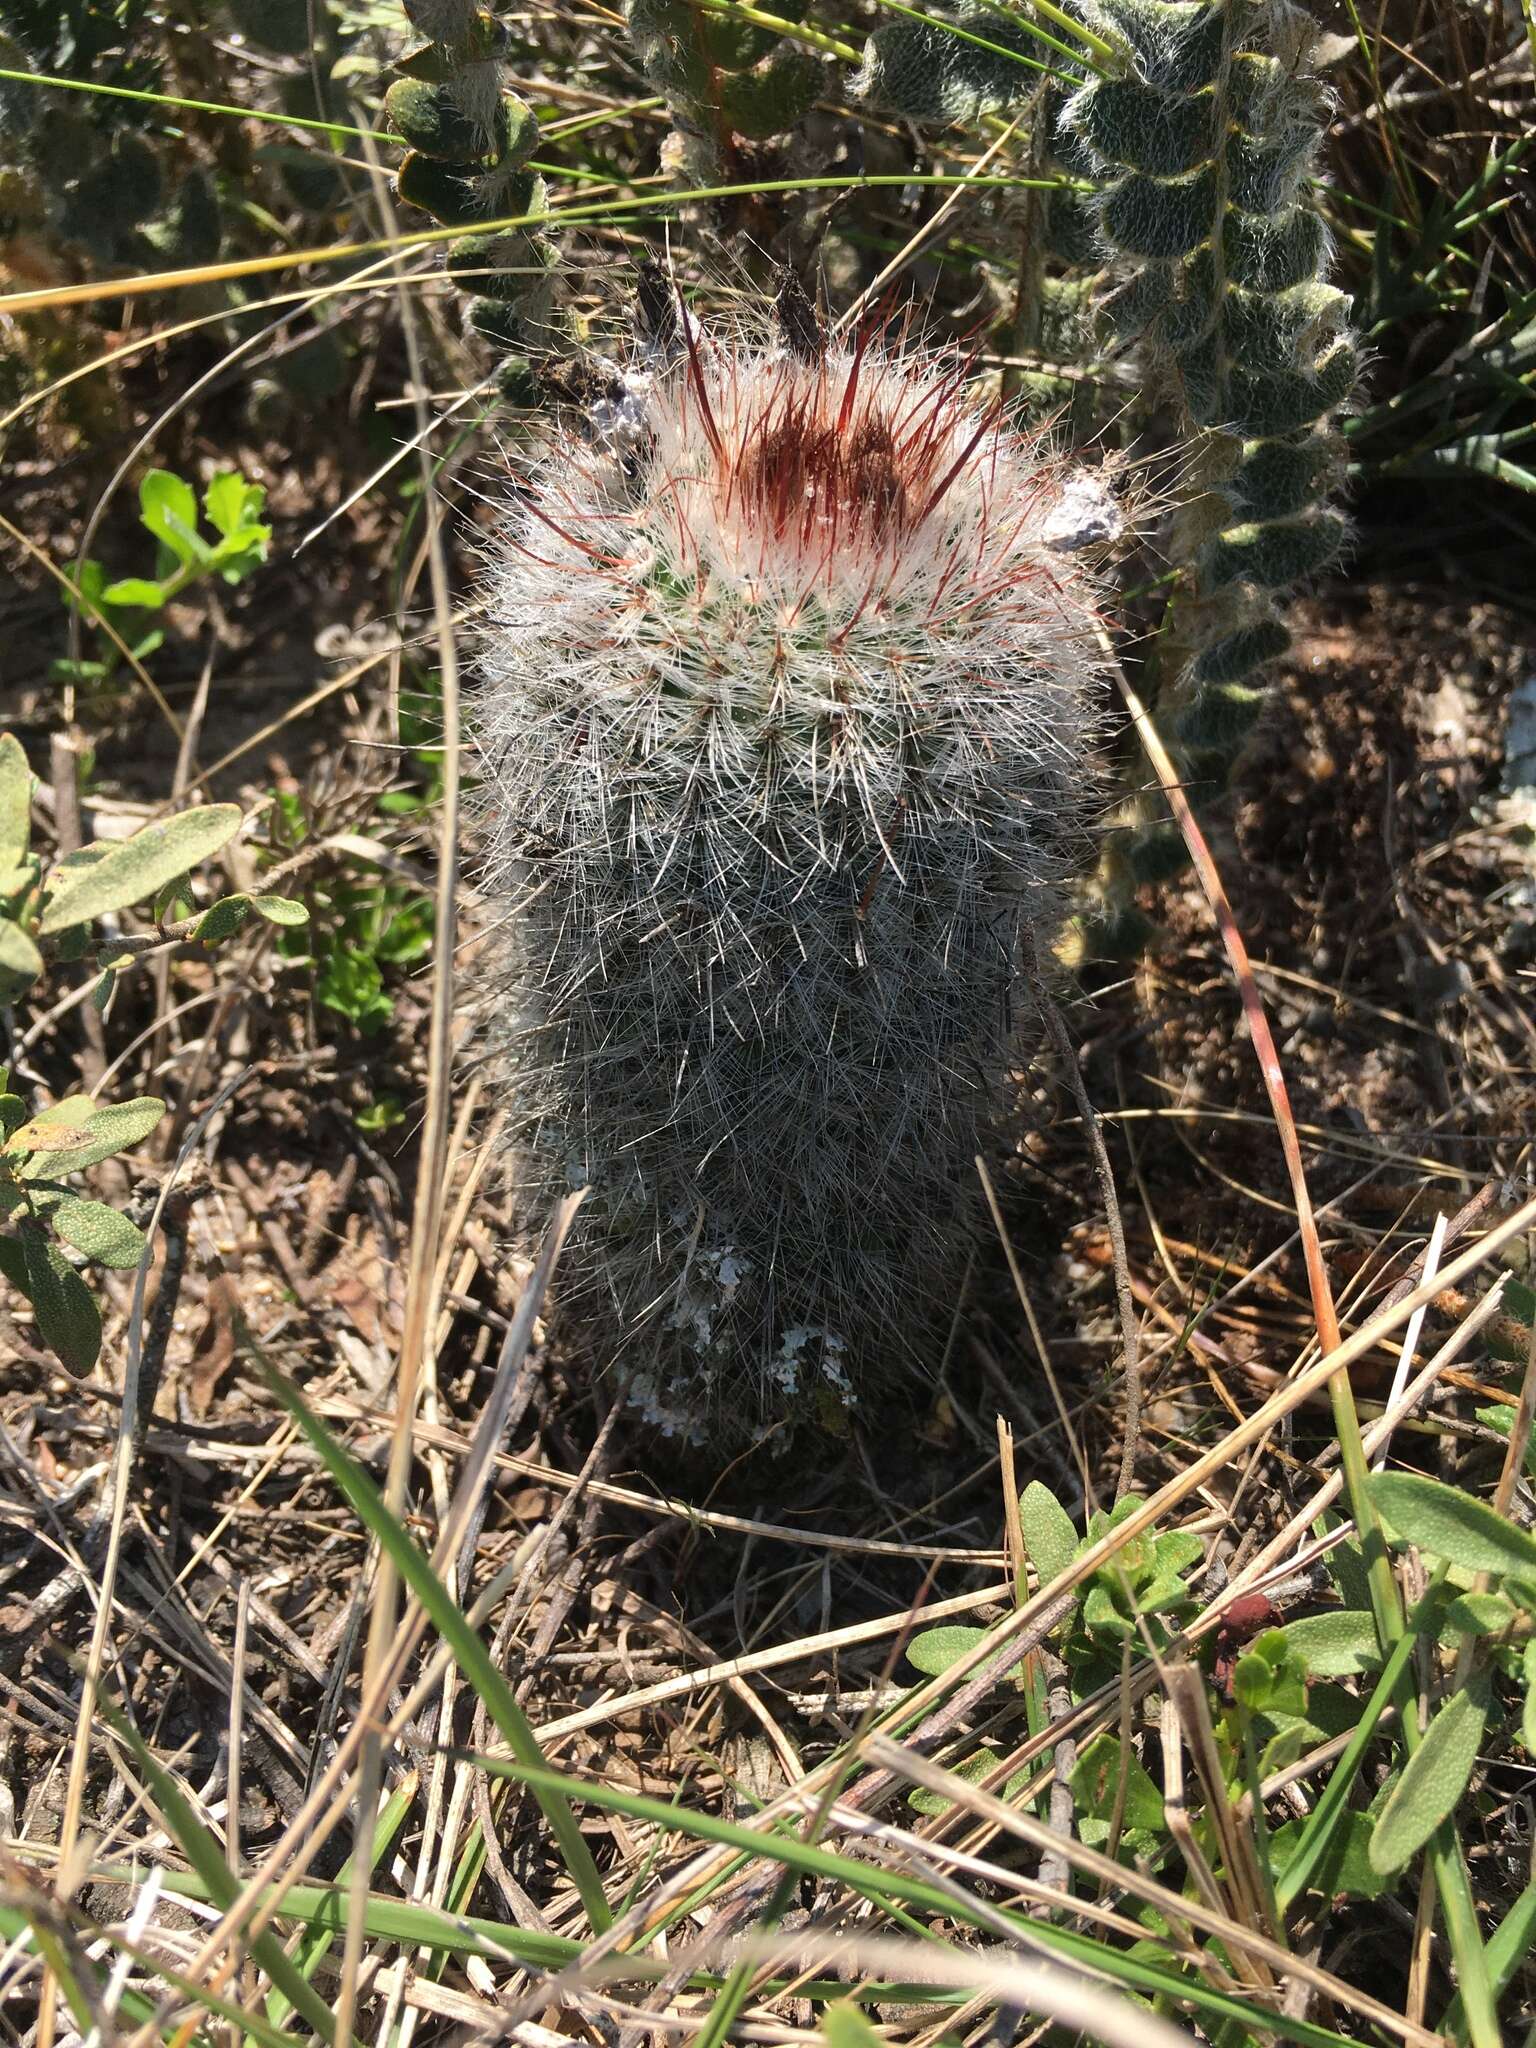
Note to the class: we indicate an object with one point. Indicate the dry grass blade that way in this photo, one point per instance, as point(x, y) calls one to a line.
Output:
point(1041, 1990)
point(1253, 1003)
point(1233, 1934)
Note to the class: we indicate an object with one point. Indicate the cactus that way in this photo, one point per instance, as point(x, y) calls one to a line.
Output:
point(723, 79)
point(786, 719)
point(469, 145)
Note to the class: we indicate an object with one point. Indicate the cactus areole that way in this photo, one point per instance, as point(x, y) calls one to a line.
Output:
point(787, 707)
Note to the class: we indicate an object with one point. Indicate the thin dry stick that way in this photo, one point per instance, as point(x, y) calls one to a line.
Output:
point(1252, 1001)
point(1035, 1332)
point(1130, 1334)
point(123, 1463)
point(309, 1829)
point(1248, 1939)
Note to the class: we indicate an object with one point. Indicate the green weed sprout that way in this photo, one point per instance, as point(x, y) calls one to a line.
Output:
point(46, 917)
point(233, 542)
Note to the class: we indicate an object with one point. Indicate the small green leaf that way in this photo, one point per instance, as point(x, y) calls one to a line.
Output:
point(1049, 1535)
point(1345, 1868)
point(129, 872)
point(1096, 1779)
point(1449, 1523)
point(135, 590)
point(970, 1771)
point(1480, 1614)
point(68, 1320)
point(843, 2025)
point(232, 504)
point(1528, 1711)
point(54, 1129)
point(1501, 1420)
point(20, 961)
point(168, 509)
point(98, 1231)
point(222, 919)
point(1177, 1550)
point(86, 583)
point(936, 1649)
point(1283, 1748)
point(1433, 1781)
point(1339, 1644)
point(280, 910)
point(15, 802)
point(97, 1134)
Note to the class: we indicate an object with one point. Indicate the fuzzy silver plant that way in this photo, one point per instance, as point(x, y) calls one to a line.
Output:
point(787, 710)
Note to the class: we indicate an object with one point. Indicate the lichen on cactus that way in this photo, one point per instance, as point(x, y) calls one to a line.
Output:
point(787, 711)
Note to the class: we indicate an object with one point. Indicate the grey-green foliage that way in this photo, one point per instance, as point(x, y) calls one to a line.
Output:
point(469, 147)
point(99, 174)
point(724, 79)
point(1189, 154)
point(1200, 156)
point(977, 62)
point(47, 911)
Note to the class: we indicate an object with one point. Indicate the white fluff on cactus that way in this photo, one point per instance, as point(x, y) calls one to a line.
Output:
point(787, 712)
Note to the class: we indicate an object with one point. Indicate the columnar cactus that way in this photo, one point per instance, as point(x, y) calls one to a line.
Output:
point(470, 143)
point(723, 79)
point(786, 715)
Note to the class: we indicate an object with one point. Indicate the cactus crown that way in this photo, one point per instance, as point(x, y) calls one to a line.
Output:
point(787, 713)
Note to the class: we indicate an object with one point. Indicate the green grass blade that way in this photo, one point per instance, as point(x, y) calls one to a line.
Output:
point(1508, 1947)
point(470, 1654)
point(315, 1944)
point(206, 1856)
point(1312, 1845)
point(881, 1885)
point(133, 2005)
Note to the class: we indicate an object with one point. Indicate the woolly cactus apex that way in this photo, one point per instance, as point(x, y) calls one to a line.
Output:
point(786, 716)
